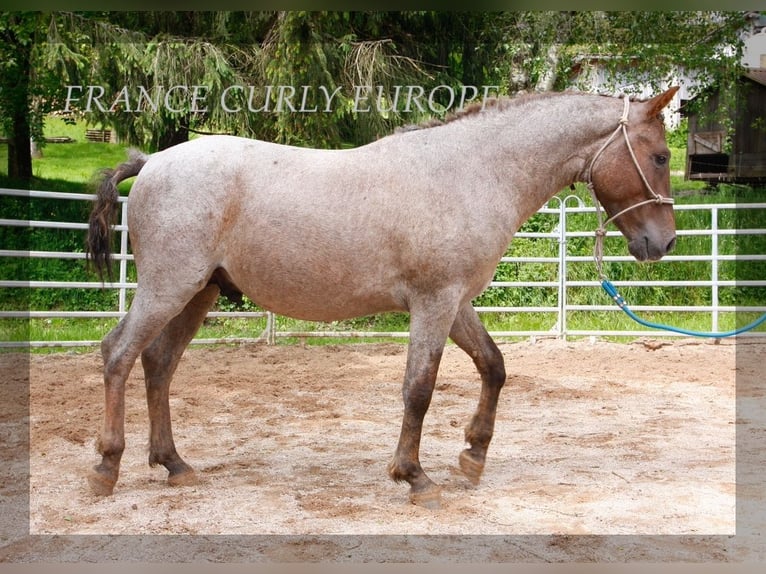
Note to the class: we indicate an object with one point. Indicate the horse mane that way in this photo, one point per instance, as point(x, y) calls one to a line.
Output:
point(499, 103)
point(492, 104)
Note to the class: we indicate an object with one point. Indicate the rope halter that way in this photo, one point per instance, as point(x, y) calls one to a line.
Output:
point(598, 251)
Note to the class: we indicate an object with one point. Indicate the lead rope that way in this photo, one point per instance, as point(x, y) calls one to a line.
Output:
point(598, 249)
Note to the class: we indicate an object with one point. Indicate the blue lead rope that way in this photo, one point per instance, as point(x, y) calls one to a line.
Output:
point(611, 290)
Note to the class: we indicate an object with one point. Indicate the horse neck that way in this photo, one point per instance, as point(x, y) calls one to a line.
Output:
point(544, 144)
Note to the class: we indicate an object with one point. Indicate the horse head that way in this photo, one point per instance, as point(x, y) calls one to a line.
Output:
point(631, 179)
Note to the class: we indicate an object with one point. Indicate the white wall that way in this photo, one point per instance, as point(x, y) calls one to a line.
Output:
point(755, 50)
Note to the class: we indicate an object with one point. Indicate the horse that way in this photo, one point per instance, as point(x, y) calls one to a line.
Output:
point(413, 222)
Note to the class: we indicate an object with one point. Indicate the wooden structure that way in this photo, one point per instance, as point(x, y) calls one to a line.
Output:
point(100, 136)
point(708, 158)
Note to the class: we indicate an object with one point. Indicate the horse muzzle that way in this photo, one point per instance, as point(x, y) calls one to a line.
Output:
point(649, 248)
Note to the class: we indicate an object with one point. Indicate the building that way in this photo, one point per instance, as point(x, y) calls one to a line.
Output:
point(733, 150)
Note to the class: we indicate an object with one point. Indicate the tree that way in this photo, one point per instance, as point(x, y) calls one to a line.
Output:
point(307, 57)
point(43, 53)
point(181, 50)
point(17, 32)
point(39, 53)
point(549, 50)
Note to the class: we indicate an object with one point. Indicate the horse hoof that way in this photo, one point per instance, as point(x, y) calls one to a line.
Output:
point(471, 467)
point(185, 478)
point(100, 485)
point(430, 498)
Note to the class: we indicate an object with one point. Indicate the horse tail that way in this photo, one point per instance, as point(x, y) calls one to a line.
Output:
point(104, 214)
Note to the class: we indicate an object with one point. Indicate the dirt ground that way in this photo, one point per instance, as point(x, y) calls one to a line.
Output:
point(592, 440)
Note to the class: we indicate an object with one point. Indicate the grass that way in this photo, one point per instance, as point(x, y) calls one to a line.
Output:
point(76, 162)
point(68, 167)
point(58, 329)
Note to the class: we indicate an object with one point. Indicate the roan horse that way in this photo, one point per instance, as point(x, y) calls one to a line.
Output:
point(416, 221)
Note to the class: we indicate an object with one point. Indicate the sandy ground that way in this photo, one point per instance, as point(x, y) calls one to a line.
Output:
point(592, 440)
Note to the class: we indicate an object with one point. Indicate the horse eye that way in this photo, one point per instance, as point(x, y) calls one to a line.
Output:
point(660, 159)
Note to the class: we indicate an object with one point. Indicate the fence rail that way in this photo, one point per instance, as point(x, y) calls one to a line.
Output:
point(561, 311)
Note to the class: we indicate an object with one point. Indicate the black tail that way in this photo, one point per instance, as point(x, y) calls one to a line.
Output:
point(99, 242)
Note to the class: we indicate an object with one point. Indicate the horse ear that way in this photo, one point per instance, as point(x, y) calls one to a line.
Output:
point(658, 103)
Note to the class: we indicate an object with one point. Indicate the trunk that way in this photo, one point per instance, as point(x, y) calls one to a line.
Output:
point(19, 151)
point(173, 135)
point(472, 69)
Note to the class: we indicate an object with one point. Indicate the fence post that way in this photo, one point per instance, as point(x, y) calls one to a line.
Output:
point(714, 264)
point(562, 290)
point(271, 328)
point(562, 298)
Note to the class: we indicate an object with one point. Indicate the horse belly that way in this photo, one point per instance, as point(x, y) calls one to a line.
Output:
point(321, 299)
point(324, 289)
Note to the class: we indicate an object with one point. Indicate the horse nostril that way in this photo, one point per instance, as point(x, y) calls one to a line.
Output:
point(671, 245)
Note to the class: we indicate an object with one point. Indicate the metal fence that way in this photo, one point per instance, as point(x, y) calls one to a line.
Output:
point(559, 207)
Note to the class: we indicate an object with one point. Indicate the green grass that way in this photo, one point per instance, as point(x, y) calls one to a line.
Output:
point(76, 162)
point(68, 166)
point(57, 329)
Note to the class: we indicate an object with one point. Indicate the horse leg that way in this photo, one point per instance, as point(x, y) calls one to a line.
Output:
point(428, 335)
point(160, 360)
point(120, 349)
point(469, 334)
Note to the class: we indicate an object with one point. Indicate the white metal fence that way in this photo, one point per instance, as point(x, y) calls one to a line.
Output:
point(560, 312)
